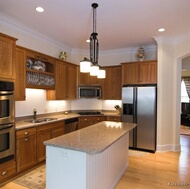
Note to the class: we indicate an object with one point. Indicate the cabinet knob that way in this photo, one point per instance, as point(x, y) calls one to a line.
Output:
point(26, 133)
point(26, 139)
point(85, 119)
point(98, 119)
point(4, 173)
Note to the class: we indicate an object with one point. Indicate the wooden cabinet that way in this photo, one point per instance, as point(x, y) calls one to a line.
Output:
point(7, 170)
point(7, 57)
point(66, 82)
point(20, 79)
point(71, 87)
point(85, 121)
point(46, 132)
point(139, 72)
point(26, 148)
point(114, 118)
point(111, 85)
point(39, 70)
point(86, 79)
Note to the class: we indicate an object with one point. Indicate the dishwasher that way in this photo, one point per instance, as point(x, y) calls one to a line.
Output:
point(71, 125)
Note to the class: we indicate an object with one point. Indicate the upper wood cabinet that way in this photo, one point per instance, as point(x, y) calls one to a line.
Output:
point(7, 57)
point(39, 70)
point(20, 69)
point(111, 85)
point(86, 79)
point(65, 82)
point(139, 72)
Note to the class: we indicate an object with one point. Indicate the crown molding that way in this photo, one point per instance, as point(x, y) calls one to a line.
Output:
point(18, 26)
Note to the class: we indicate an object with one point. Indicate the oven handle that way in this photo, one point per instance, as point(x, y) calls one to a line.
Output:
point(6, 92)
point(6, 126)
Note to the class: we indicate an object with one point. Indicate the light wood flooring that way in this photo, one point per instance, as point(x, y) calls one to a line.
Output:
point(165, 170)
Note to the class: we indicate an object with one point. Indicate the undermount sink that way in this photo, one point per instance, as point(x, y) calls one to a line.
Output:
point(40, 120)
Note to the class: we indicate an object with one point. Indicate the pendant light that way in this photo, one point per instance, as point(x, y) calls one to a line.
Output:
point(85, 65)
point(94, 52)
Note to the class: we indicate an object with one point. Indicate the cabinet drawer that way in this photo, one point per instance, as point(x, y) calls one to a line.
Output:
point(114, 118)
point(92, 118)
point(7, 170)
point(25, 132)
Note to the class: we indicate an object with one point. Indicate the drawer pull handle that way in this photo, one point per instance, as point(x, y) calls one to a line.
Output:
point(4, 173)
point(26, 133)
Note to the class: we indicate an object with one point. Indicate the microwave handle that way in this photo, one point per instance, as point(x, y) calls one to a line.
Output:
point(6, 126)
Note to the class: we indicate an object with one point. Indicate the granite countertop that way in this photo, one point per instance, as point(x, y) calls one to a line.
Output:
point(23, 124)
point(92, 139)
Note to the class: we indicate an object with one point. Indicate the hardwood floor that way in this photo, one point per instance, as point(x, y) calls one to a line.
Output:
point(162, 170)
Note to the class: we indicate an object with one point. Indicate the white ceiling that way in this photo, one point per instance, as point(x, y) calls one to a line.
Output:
point(120, 23)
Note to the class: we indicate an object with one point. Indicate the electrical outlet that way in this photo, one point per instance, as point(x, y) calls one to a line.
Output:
point(63, 153)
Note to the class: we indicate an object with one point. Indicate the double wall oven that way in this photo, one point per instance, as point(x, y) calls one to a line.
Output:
point(7, 129)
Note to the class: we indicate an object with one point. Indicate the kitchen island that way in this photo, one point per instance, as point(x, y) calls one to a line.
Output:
point(90, 158)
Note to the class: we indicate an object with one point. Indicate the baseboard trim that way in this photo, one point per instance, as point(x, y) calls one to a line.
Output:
point(168, 147)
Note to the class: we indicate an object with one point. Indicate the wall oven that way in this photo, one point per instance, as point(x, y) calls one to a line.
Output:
point(7, 129)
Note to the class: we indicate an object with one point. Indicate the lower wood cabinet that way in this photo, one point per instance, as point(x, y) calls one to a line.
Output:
point(26, 148)
point(7, 170)
point(46, 132)
point(85, 121)
point(114, 118)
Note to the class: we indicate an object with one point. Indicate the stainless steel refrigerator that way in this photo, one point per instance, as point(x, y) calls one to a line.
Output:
point(139, 103)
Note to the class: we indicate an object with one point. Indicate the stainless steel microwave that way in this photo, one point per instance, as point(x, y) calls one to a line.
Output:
point(89, 92)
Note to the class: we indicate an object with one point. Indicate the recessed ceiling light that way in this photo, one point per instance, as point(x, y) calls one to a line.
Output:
point(161, 30)
point(88, 40)
point(39, 9)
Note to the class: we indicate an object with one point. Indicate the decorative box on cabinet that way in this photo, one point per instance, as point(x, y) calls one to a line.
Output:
point(26, 148)
point(144, 72)
point(7, 57)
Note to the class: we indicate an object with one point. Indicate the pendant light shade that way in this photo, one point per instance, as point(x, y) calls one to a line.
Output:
point(94, 70)
point(101, 74)
point(85, 65)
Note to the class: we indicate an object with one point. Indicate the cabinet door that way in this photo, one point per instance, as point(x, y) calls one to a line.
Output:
point(111, 88)
point(148, 72)
point(86, 79)
point(7, 170)
point(116, 83)
point(25, 148)
point(7, 56)
point(20, 81)
point(130, 73)
point(26, 152)
point(71, 82)
point(41, 149)
point(107, 85)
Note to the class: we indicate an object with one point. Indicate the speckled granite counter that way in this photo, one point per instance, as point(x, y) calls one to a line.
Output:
point(93, 139)
point(82, 158)
point(22, 124)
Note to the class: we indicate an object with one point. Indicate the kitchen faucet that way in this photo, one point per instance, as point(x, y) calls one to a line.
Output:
point(35, 112)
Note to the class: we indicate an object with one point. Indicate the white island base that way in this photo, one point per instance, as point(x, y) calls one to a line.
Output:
point(72, 169)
